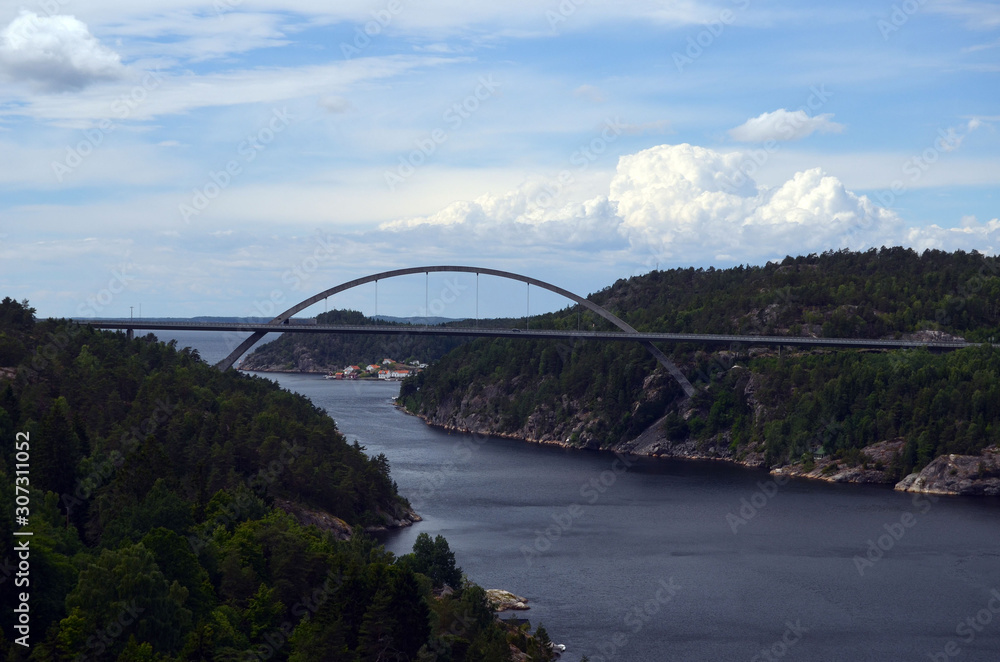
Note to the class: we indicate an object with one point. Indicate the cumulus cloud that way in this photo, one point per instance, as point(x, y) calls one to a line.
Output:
point(521, 217)
point(55, 53)
point(676, 202)
point(681, 201)
point(984, 237)
point(784, 125)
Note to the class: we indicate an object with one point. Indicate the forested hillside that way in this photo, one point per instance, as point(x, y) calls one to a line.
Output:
point(153, 498)
point(307, 352)
point(752, 403)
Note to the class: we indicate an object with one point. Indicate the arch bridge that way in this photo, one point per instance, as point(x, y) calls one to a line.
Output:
point(282, 323)
point(282, 318)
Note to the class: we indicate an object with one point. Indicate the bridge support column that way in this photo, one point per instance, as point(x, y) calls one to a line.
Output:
point(128, 333)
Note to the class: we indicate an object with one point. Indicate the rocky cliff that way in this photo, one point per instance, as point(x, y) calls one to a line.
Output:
point(958, 474)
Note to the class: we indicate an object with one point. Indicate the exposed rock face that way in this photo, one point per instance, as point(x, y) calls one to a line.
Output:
point(931, 335)
point(341, 529)
point(501, 600)
point(323, 520)
point(303, 362)
point(875, 470)
point(401, 518)
point(477, 413)
point(958, 474)
point(653, 442)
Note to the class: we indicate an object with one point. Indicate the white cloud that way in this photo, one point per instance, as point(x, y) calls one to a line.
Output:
point(681, 201)
point(675, 202)
point(55, 53)
point(521, 217)
point(192, 22)
point(977, 15)
point(983, 237)
point(192, 37)
point(784, 125)
point(176, 94)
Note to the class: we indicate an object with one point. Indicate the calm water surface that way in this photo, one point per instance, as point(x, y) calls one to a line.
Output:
point(643, 563)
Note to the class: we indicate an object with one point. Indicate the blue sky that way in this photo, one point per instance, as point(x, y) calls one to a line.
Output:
point(201, 157)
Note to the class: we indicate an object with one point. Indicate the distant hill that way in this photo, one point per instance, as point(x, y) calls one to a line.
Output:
point(307, 352)
point(431, 321)
point(758, 405)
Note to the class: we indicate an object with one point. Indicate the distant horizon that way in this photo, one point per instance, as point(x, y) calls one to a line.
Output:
point(461, 295)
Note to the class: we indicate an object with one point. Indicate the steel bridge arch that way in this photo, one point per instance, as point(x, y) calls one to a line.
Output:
point(278, 321)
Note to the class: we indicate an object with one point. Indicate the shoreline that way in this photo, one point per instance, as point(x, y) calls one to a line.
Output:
point(317, 372)
point(941, 477)
point(946, 475)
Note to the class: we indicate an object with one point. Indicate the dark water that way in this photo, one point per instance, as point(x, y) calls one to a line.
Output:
point(643, 563)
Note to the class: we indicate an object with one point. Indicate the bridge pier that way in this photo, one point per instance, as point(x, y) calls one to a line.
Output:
point(128, 333)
